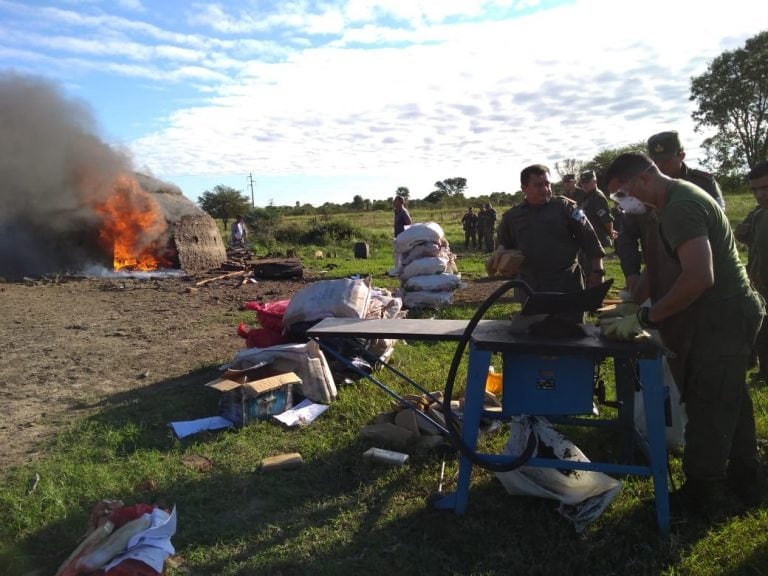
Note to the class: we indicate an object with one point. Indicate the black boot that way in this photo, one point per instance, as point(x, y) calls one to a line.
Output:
point(747, 481)
point(702, 500)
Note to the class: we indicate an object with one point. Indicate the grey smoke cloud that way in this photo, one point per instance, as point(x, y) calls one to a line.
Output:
point(54, 170)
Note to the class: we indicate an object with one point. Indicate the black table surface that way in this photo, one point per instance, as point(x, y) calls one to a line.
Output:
point(493, 335)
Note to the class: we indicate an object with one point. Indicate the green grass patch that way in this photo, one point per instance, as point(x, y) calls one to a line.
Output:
point(338, 514)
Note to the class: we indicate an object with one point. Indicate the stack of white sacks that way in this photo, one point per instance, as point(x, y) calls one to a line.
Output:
point(427, 269)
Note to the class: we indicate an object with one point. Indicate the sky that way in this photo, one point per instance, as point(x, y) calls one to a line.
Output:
point(318, 101)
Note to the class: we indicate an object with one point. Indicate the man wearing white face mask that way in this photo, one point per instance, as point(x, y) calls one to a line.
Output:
point(709, 316)
point(666, 151)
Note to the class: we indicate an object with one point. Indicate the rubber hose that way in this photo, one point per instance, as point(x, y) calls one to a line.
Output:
point(450, 418)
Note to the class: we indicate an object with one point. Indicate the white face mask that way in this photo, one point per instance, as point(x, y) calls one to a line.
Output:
point(629, 204)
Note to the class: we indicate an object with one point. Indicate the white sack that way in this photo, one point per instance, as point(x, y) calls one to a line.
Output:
point(583, 494)
point(343, 298)
point(424, 267)
point(417, 234)
point(675, 432)
point(306, 360)
point(434, 282)
point(427, 299)
point(423, 250)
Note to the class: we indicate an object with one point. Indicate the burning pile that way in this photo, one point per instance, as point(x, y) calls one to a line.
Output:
point(69, 203)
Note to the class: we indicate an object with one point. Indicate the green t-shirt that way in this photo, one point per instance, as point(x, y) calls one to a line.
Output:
point(691, 213)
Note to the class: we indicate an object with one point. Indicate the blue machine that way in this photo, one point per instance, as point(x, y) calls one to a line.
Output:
point(551, 377)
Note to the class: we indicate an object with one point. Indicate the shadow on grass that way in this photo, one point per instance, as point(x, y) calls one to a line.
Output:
point(338, 514)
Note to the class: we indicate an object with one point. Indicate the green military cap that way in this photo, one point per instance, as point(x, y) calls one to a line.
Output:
point(587, 176)
point(664, 145)
point(569, 177)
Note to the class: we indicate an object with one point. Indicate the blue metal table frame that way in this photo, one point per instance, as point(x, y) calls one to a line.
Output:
point(542, 376)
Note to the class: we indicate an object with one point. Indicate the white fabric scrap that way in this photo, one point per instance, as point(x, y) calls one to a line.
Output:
point(153, 545)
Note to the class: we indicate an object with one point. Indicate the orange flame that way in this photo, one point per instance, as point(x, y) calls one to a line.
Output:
point(133, 227)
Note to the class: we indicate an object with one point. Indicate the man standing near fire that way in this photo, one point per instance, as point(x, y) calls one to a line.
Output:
point(239, 233)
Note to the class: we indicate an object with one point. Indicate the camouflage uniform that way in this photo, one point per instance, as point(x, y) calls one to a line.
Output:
point(469, 224)
point(488, 224)
point(550, 237)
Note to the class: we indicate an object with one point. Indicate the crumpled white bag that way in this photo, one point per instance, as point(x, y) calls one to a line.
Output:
point(583, 494)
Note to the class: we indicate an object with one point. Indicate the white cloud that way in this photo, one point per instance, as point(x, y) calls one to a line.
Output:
point(427, 88)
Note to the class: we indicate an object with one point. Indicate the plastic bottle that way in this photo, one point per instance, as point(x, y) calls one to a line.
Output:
point(494, 383)
point(385, 456)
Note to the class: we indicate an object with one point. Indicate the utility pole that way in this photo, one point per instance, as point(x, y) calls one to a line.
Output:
point(250, 180)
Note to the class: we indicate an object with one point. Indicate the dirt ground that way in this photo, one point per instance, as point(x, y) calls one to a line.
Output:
point(70, 343)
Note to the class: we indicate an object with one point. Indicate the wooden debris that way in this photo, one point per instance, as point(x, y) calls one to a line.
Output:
point(222, 277)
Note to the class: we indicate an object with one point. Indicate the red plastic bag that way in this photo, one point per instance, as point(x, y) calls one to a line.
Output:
point(269, 314)
point(264, 338)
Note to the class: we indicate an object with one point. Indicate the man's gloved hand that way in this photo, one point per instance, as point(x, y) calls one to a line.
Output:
point(624, 328)
point(619, 311)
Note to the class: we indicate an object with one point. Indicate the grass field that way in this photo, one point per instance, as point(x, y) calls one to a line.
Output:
point(337, 514)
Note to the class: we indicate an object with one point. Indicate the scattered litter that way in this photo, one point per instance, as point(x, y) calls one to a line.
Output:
point(189, 427)
point(305, 412)
point(282, 462)
point(387, 457)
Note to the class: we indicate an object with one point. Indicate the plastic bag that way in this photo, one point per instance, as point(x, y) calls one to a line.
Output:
point(583, 494)
point(269, 314)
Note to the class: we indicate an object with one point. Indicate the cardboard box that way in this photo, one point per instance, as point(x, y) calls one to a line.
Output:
point(254, 394)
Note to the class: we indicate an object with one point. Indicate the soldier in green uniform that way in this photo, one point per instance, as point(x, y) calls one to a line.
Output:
point(469, 224)
point(571, 190)
point(754, 233)
point(480, 227)
point(550, 231)
point(723, 317)
point(598, 212)
point(488, 223)
point(667, 153)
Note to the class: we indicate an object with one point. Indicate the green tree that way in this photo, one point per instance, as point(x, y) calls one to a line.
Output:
point(603, 159)
point(358, 203)
point(568, 166)
point(732, 97)
point(403, 191)
point(224, 203)
point(452, 186)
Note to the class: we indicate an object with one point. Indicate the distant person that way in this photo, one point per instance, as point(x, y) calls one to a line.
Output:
point(571, 190)
point(402, 216)
point(239, 233)
point(402, 219)
point(596, 208)
point(480, 229)
point(550, 231)
point(469, 224)
point(757, 263)
point(667, 154)
point(487, 223)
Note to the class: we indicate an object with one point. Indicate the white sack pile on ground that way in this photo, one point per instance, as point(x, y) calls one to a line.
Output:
point(427, 271)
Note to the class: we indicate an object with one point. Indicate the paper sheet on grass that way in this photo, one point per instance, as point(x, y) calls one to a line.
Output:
point(303, 413)
point(189, 427)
